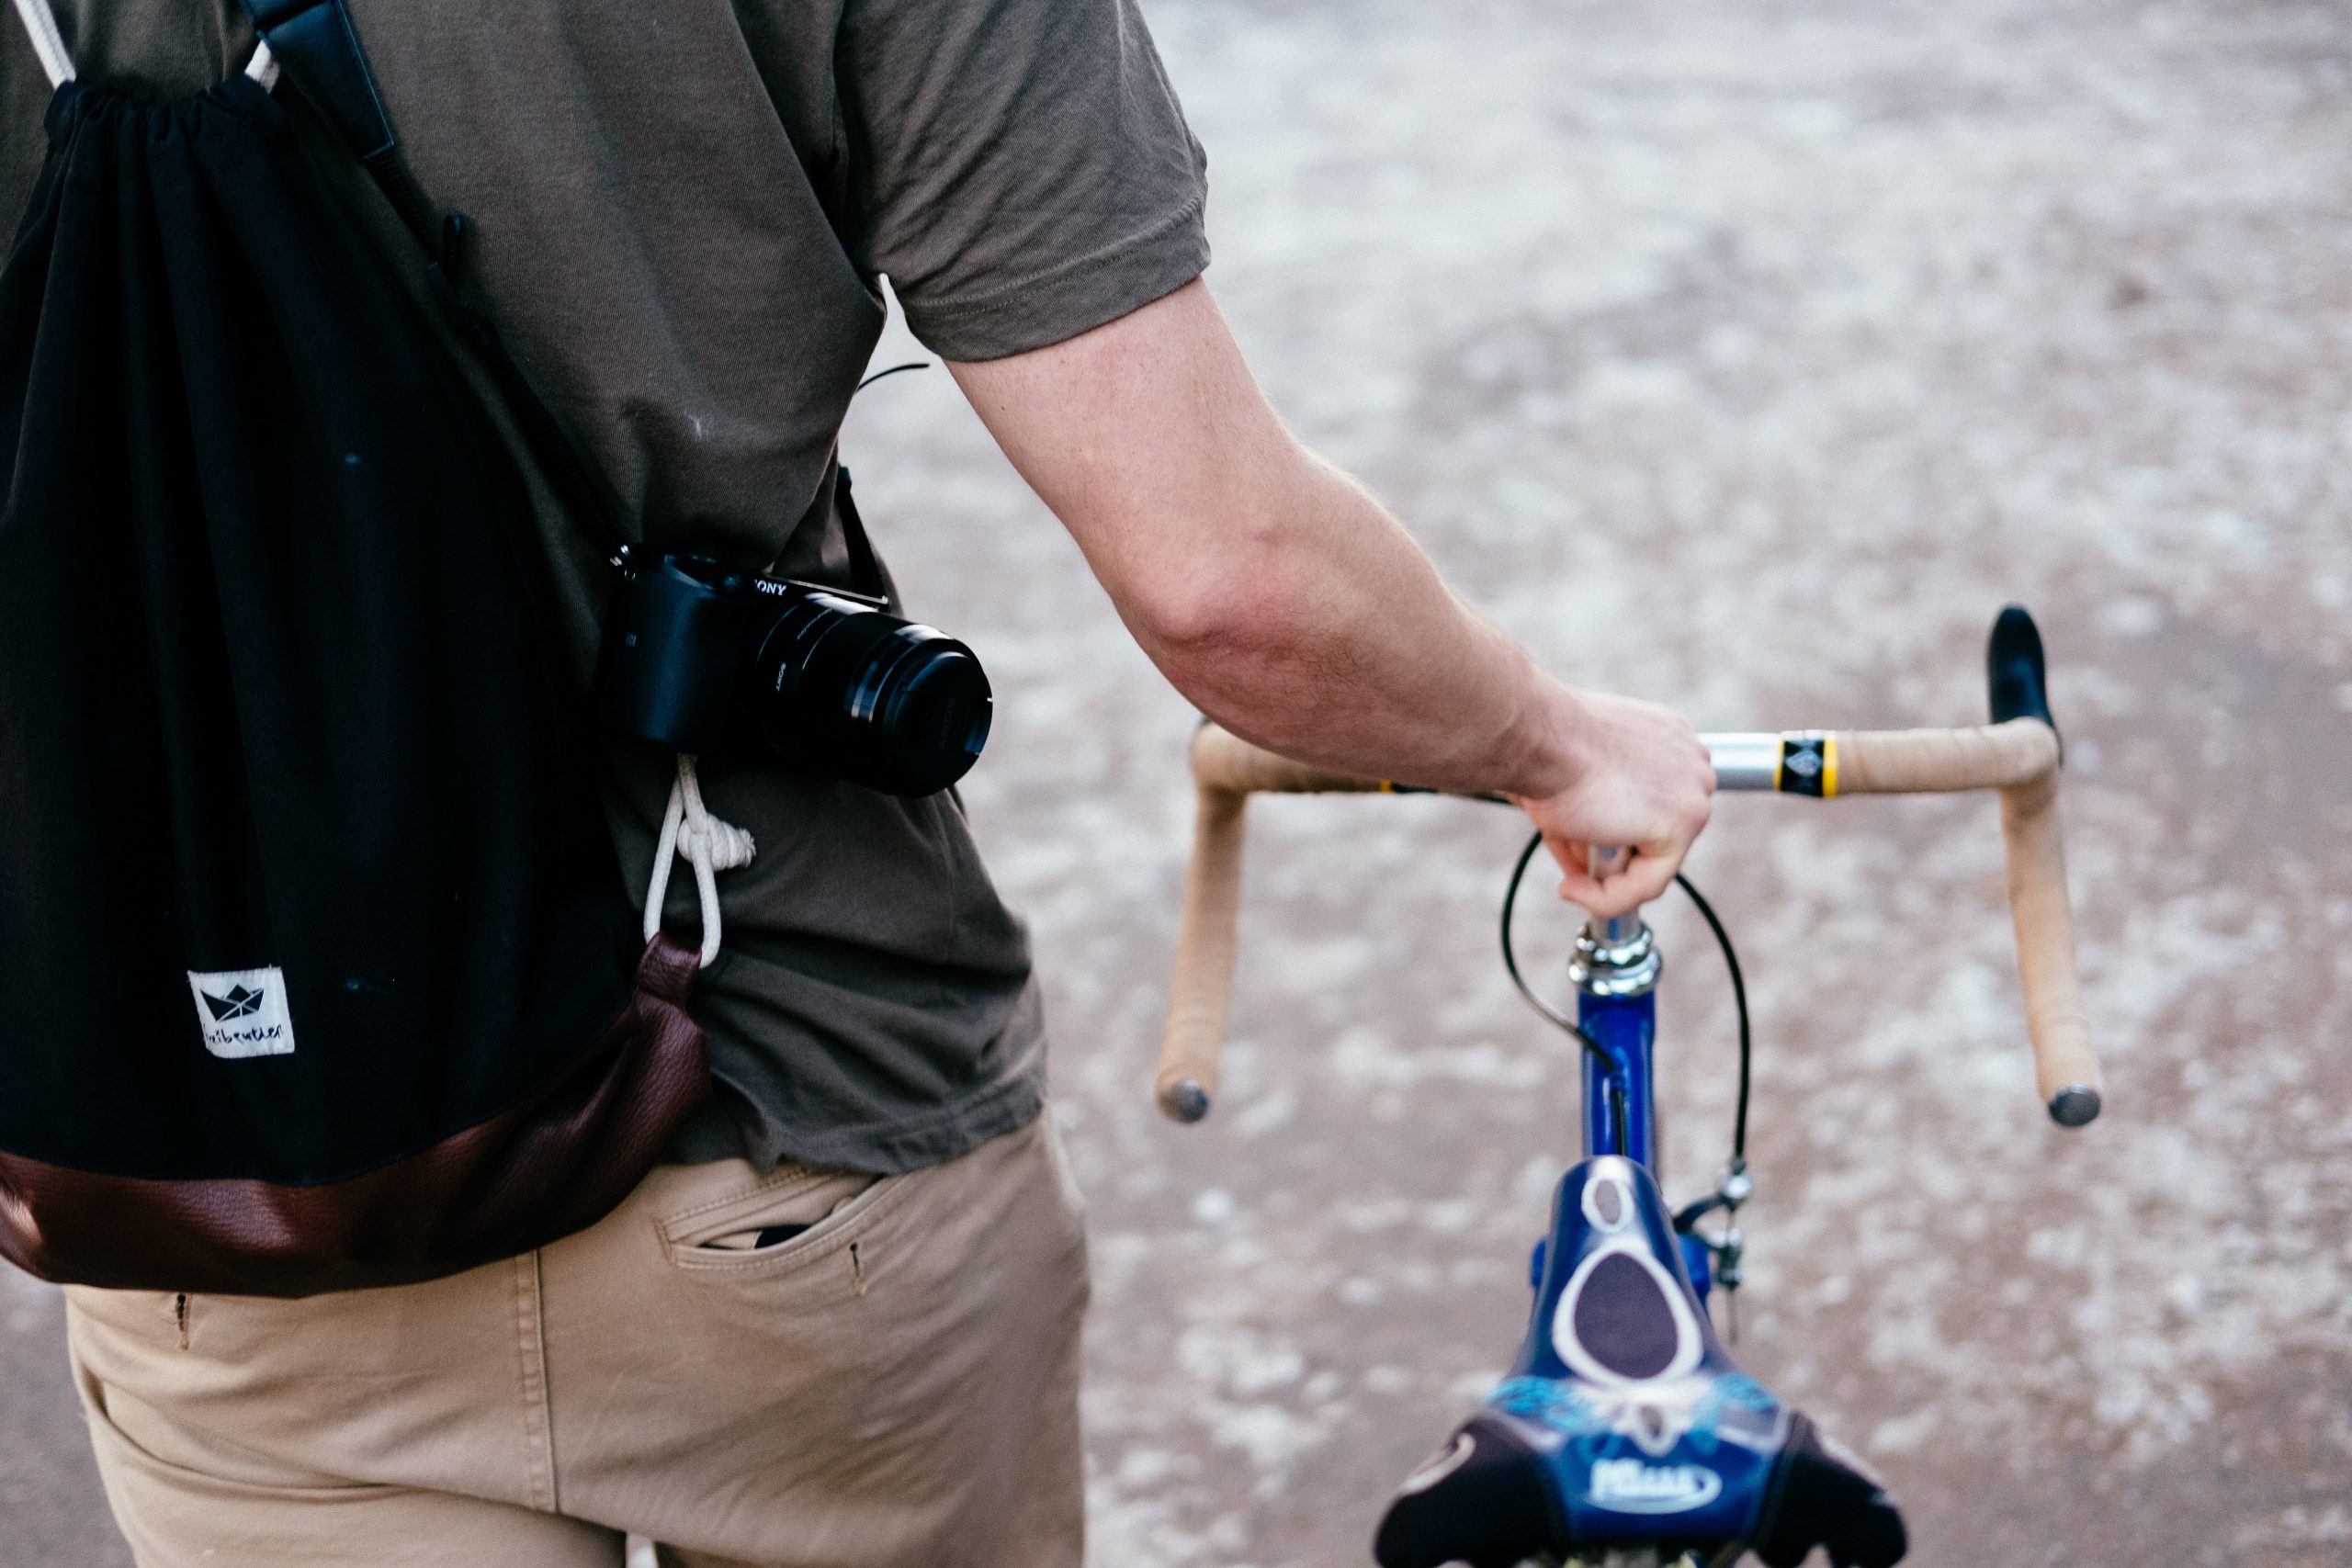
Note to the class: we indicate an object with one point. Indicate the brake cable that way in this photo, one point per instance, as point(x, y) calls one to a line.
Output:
point(1738, 997)
point(1610, 1062)
point(1732, 965)
point(1739, 1006)
point(1510, 964)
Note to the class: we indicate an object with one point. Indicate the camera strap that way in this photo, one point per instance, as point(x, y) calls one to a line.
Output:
point(864, 570)
point(319, 51)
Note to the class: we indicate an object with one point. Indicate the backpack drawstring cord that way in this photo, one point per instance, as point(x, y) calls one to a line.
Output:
point(709, 845)
point(57, 62)
point(48, 42)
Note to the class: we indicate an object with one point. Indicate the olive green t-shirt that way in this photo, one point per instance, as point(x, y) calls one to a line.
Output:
point(679, 214)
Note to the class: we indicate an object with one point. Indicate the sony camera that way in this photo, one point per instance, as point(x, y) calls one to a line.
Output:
point(705, 657)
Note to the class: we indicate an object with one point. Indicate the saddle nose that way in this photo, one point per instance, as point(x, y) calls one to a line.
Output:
point(1616, 1306)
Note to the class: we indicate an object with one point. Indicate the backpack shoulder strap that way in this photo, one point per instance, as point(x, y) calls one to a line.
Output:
point(315, 44)
point(314, 41)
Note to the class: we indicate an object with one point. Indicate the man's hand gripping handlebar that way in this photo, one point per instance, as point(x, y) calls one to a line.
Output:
point(2018, 754)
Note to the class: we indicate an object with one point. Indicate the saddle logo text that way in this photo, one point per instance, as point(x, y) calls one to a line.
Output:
point(241, 1012)
point(1629, 1486)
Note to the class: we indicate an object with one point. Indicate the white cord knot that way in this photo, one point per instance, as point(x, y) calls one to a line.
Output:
point(709, 845)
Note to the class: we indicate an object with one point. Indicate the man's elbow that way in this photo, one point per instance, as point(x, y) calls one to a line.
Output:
point(1221, 613)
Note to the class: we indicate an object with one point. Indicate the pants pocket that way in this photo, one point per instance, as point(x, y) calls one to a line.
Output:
point(793, 1214)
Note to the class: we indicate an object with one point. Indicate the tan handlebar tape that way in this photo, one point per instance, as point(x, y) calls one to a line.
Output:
point(1203, 988)
point(2065, 1069)
point(2018, 758)
point(1222, 760)
point(1933, 761)
point(1868, 761)
point(1226, 769)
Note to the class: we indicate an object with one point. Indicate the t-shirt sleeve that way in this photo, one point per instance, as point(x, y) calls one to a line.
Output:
point(1020, 168)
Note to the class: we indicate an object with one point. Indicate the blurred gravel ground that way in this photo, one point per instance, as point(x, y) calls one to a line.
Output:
point(1746, 356)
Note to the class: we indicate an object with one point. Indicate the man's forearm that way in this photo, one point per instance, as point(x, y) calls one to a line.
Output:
point(1279, 597)
point(1348, 650)
point(1271, 589)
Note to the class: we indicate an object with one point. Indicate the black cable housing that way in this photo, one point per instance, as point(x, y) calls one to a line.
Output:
point(1739, 1004)
point(1510, 964)
point(1731, 963)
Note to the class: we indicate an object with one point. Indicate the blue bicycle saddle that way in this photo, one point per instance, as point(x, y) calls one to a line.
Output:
point(1624, 1423)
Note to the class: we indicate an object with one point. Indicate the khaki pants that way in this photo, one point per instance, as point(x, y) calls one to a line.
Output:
point(895, 1387)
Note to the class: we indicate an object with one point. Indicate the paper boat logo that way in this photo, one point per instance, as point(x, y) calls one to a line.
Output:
point(242, 1001)
point(243, 1014)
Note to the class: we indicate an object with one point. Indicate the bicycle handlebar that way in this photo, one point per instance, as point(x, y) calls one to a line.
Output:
point(1813, 762)
point(2019, 757)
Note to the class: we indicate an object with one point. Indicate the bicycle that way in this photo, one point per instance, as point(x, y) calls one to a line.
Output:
point(1624, 1436)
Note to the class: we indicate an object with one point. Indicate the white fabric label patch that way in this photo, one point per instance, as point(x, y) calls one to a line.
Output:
point(242, 1013)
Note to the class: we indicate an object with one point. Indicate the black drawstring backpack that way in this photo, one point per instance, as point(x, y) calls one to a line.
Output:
point(316, 968)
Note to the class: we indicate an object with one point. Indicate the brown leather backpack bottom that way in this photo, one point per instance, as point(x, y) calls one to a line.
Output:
point(555, 1164)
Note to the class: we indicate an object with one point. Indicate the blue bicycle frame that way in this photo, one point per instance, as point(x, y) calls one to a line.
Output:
point(1615, 972)
point(1620, 1112)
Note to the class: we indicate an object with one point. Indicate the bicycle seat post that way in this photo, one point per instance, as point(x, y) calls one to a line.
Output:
point(1615, 970)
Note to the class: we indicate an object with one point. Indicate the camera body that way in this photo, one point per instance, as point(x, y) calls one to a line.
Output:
point(701, 657)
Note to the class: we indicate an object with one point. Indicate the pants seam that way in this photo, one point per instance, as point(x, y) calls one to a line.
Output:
point(531, 1369)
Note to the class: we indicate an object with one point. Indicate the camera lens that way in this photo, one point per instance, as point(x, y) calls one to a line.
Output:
point(844, 688)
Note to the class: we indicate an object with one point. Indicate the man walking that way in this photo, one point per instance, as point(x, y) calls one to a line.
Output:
point(839, 1325)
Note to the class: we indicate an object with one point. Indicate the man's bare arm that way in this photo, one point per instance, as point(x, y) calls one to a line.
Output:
point(1288, 605)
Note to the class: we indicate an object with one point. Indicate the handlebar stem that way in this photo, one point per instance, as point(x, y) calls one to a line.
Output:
point(1612, 961)
point(1613, 932)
